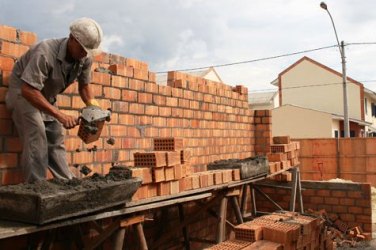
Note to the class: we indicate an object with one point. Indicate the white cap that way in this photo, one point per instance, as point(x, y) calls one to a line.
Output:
point(88, 33)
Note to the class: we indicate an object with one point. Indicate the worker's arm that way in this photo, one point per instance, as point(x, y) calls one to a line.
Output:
point(87, 95)
point(35, 97)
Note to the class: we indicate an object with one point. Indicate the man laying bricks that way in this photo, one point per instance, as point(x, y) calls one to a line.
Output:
point(38, 76)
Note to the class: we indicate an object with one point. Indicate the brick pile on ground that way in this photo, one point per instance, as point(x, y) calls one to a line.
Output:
point(284, 154)
point(279, 231)
point(340, 232)
point(167, 171)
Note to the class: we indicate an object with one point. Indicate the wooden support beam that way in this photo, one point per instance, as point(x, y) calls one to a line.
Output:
point(141, 237)
point(235, 206)
point(133, 220)
point(221, 231)
point(185, 229)
point(268, 198)
point(294, 184)
point(118, 239)
point(107, 232)
point(190, 219)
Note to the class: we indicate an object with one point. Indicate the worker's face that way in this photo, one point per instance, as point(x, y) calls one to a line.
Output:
point(75, 49)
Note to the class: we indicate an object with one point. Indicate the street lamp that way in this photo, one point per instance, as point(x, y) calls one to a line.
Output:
point(341, 47)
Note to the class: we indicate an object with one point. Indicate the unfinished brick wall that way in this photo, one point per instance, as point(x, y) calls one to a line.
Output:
point(351, 202)
point(263, 131)
point(214, 119)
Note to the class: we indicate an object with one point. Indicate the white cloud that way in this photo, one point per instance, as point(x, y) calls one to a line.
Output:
point(111, 40)
point(63, 8)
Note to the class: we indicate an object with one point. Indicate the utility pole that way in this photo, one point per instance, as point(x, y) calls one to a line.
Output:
point(341, 47)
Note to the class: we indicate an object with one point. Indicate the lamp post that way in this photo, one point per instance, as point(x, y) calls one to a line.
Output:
point(341, 47)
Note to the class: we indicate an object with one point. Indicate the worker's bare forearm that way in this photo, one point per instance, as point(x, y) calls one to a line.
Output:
point(35, 97)
point(85, 92)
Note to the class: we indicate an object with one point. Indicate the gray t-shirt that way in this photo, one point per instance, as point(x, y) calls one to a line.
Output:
point(45, 68)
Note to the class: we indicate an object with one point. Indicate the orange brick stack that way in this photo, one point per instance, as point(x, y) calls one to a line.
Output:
point(230, 245)
point(284, 154)
point(263, 131)
point(164, 165)
point(168, 170)
point(182, 80)
point(287, 231)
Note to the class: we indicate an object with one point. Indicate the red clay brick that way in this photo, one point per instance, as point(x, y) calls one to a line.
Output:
point(363, 203)
point(8, 160)
point(169, 173)
point(121, 70)
point(158, 174)
point(150, 159)
point(112, 93)
point(12, 49)
point(28, 38)
point(135, 108)
point(101, 78)
point(6, 63)
point(164, 188)
point(8, 33)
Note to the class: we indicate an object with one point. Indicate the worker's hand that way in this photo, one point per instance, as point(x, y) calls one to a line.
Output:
point(68, 121)
point(92, 102)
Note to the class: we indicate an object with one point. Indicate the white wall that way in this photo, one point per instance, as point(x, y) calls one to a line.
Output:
point(335, 126)
point(312, 86)
point(301, 123)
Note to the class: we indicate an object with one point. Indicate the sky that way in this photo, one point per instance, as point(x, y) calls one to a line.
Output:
point(185, 34)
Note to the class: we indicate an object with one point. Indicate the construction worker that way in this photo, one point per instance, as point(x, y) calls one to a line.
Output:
point(38, 76)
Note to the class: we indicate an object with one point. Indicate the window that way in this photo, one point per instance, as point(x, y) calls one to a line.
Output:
point(365, 106)
point(352, 133)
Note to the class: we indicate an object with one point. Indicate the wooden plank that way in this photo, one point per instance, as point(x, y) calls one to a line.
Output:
point(130, 221)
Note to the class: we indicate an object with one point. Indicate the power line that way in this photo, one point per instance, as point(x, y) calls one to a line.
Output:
point(303, 86)
point(254, 60)
point(365, 43)
point(267, 58)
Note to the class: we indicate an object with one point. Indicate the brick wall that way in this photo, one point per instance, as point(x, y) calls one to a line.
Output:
point(345, 158)
point(351, 202)
point(213, 118)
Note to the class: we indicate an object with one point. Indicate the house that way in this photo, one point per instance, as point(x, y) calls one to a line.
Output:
point(209, 74)
point(263, 100)
point(300, 122)
point(309, 87)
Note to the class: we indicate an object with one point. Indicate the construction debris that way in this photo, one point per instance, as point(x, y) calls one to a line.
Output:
point(277, 231)
point(111, 141)
point(339, 231)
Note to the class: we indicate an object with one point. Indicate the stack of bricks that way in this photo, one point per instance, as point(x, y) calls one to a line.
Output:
point(167, 171)
point(13, 43)
point(162, 168)
point(284, 154)
point(280, 231)
point(263, 131)
point(182, 80)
